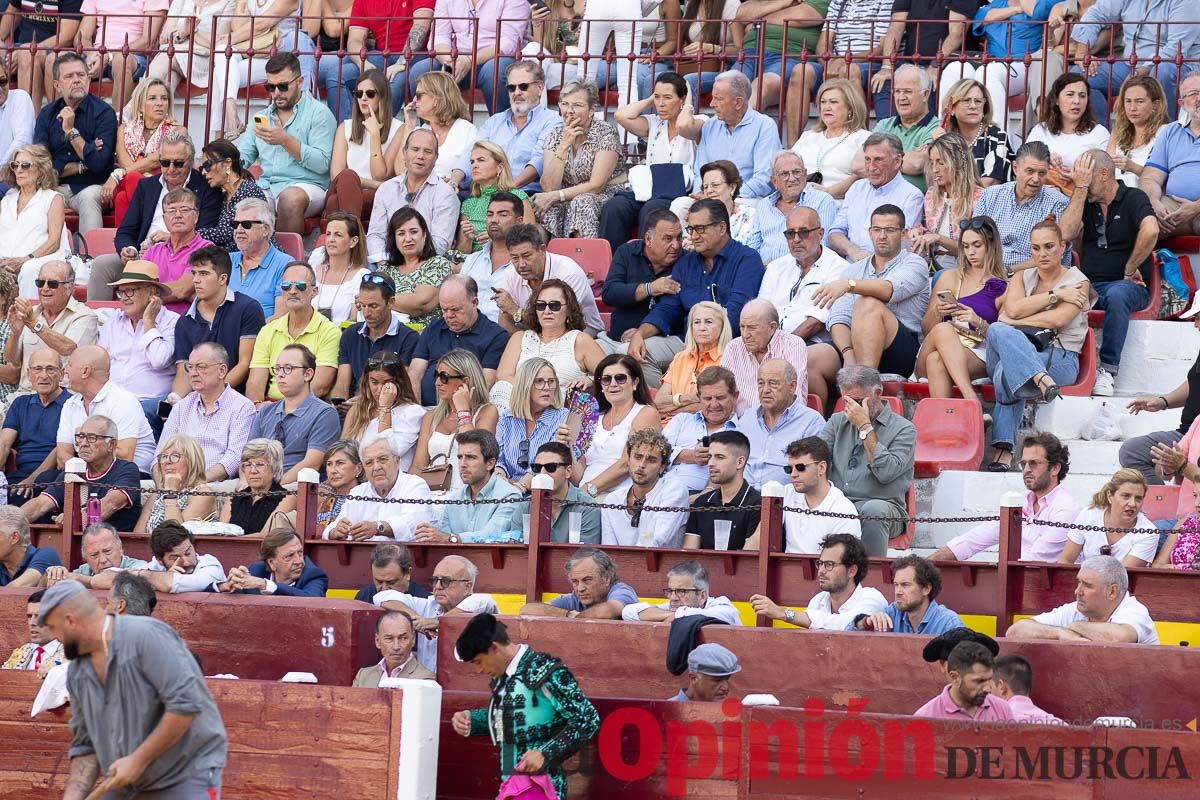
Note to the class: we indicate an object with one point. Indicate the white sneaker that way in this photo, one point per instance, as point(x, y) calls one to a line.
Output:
point(1105, 385)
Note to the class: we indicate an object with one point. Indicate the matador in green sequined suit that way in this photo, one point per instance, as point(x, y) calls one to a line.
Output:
point(537, 715)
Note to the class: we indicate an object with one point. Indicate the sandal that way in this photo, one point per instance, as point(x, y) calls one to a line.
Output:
point(996, 464)
point(1048, 387)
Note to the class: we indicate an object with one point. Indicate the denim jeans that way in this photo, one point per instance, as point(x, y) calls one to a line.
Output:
point(489, 79)
point(1107, 82)
point(337, 75)
point(1118, 299)
point(1012, 361)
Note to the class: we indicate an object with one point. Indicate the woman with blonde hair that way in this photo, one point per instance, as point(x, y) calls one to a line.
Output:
point(1141, 113)
point(953, 189)
point(708, 333)
point(829, 148)
point(32, 216)
point(144, 123)
point(490, 173)
point(966, 300)
point(180, 475)
point(535, 416)
point(438, 104)
point(366, 148)
point(252, 506)
point(1115, 508)
point(967, 111)
point(385, 406)
point(462, 405)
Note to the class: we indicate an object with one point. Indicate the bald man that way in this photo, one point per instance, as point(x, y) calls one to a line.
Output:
point(142, 716)
point(781, 417)
point(31, 424)
point(761, 340)
point(88, 377)
point(419, 187)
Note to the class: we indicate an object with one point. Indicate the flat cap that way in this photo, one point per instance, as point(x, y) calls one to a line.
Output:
point(56, 594)
point(939, 647)
point(713, 660)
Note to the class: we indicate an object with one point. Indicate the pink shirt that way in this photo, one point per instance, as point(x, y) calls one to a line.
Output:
point(173, 263)
point(994, 709)
point(1038, 542)
point(143, 362)
point(455, 20)
point(121, 19)
point(1024, 710)
point(1190, 444)
point(737, 359)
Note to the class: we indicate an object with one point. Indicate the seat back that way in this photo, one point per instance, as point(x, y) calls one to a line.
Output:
point(100, 241)
point(290, 243)
point(949, 435)
point(594, 255)
point(1162, 502)
point(1086, 380)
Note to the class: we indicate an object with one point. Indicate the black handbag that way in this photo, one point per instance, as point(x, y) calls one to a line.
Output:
point(1040, 338)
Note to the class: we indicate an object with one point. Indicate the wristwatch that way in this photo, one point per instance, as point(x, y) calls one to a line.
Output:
point(1053, 298)
point(592, 489)
point(454, 538)
point(516, 316)
point(37, 326)
point(789, 615)
point(865, 431)
point(853, 284)
point(379, 528)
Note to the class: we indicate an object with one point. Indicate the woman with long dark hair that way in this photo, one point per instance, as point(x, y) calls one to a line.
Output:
point(414, 266)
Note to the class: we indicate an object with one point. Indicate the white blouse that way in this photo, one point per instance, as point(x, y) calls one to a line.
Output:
point(358, 156)
point(459, 140)
point(1138, 545)
point(661, 149)
point(1070, 146)
point(829, 156)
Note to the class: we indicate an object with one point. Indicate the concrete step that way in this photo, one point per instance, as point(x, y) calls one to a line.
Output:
point(1067, 416)
point(1156, 357)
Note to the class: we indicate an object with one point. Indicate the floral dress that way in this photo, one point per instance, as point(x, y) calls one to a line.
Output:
point(221, 234)
point(1187, 545)
point(429, 273)
point(580, 216)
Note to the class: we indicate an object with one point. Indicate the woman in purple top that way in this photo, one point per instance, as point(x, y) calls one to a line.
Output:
point(965, 301)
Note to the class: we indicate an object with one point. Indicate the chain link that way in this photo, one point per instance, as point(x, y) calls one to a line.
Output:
point(1072, 526)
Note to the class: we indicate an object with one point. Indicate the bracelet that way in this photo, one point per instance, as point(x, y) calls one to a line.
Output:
point(562, 198)
point(647, 285)
point(675, 398)
point(1166, 405)
point(844, 349)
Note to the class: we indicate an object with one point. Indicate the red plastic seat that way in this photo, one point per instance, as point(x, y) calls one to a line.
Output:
point(1083, 385)
point(1162, 502)
point(891, 400)
point(290, 243)
point(949, 435)
point(100, 241)
point(594, 255)
point(1182, 244)
point(814, 403)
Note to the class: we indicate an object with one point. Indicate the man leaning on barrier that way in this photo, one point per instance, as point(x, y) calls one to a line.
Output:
point(917, 583)
point(843, 598)
point(596, 593)
point(687, 595)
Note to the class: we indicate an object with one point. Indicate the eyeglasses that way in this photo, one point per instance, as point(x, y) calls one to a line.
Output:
point(169, 458)
point(370, 94)
point(798, 233)
point(48, 369)
point(545, 383)
point(126, 293)
point(247, 224)
point(446, 377)
point(179, 211)
point(523, 454)
point(280, 87)
point(890, 230)
point(50, 284)
point(620, 379)
point(91, 438)
point(791, 173)
point(445, 581)
point(828, 566)
point(417, 95)
point(284, 369)
point(1031, 463)
point(195, 366)
point(518, 87)
point(1190, 96)
point(177, 163)
point(668, 592)
point(554, 306)
point(20, 166)
point(798, 468)
point(550, 468)
point(255, 466)
point(972, 101)
point(700, 230)
point(300, 286)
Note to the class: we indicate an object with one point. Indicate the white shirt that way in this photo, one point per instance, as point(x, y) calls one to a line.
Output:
point(804, 532)
point(1069, 146)
point(479, 266)
point(566, 270)
point(660, 149)
point(865, 600)
point(208, 572)
point(1138, 545)
point(403, 517)
point(49, 651)
point(406, 428)
point(1130, 612)
point(791, 290)
point(123, 408)
point(715, 607)
point(655, 528)
point(16, 122)
point(459, 139)
point(157, 223)
point(426, 648)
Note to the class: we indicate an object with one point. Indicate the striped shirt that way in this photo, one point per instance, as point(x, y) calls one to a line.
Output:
point(222, 434)
point(771, 221)
point(1016, 220)
point(857, 26)
point(738, 360)
point(510, 433)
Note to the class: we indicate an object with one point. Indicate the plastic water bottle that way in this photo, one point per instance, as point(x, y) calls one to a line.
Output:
point(93, 507)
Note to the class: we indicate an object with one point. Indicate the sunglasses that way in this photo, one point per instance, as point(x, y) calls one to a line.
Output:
point(280, 87)
point(636, 519)
point(550, 468)
point(50, 284)
point(376, 279)
point(370, 94)
point(167, 163)
point(446, 377)
point(518, 87)
point(207, 165)
point(20, 166)
point(92, 438)
point(246, 224)
point(387, 359)
point(798, 233)
point(554, 306)
point(788, 468)
point(973, 224)
point(620, 379)
point(445, 581)
point(300, 286)
point(523, 454)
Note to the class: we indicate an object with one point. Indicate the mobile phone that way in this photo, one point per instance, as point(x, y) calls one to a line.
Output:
point(704, 440)
point(262, 119)
point(538, 5)
point(164, 409)
point(945, 296)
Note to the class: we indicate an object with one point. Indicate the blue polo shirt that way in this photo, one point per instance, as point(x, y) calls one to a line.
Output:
point(314, 425)
point(39, 558)
point(356, 346)
point(619, 591)
point(1176, 153)
point(736, 276)
point(485, 339)
point(937, 619)
point(119, 473)
point(37, 431)
point(262, 282)
point(238, 317)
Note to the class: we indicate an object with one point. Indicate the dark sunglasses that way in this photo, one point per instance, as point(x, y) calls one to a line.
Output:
point(52, 284)
point(300, 285)
point(280, 87)
point(18, 166)
point(620, 379)
point(445, 581)
point(246, 224)
point(518, 87)
point(550, 468)
point(523, 454)
point(797, 467)
point(207, 165)
point(3, 81)
point(793, 233)
point(385, 359)
point(554, 306)
point(370, 94)
point(974, 224)
point(375, 279)
point(446, 377)
point(177, 163)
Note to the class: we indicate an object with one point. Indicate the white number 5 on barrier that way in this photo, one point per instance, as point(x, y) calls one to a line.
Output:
point(327, 637)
